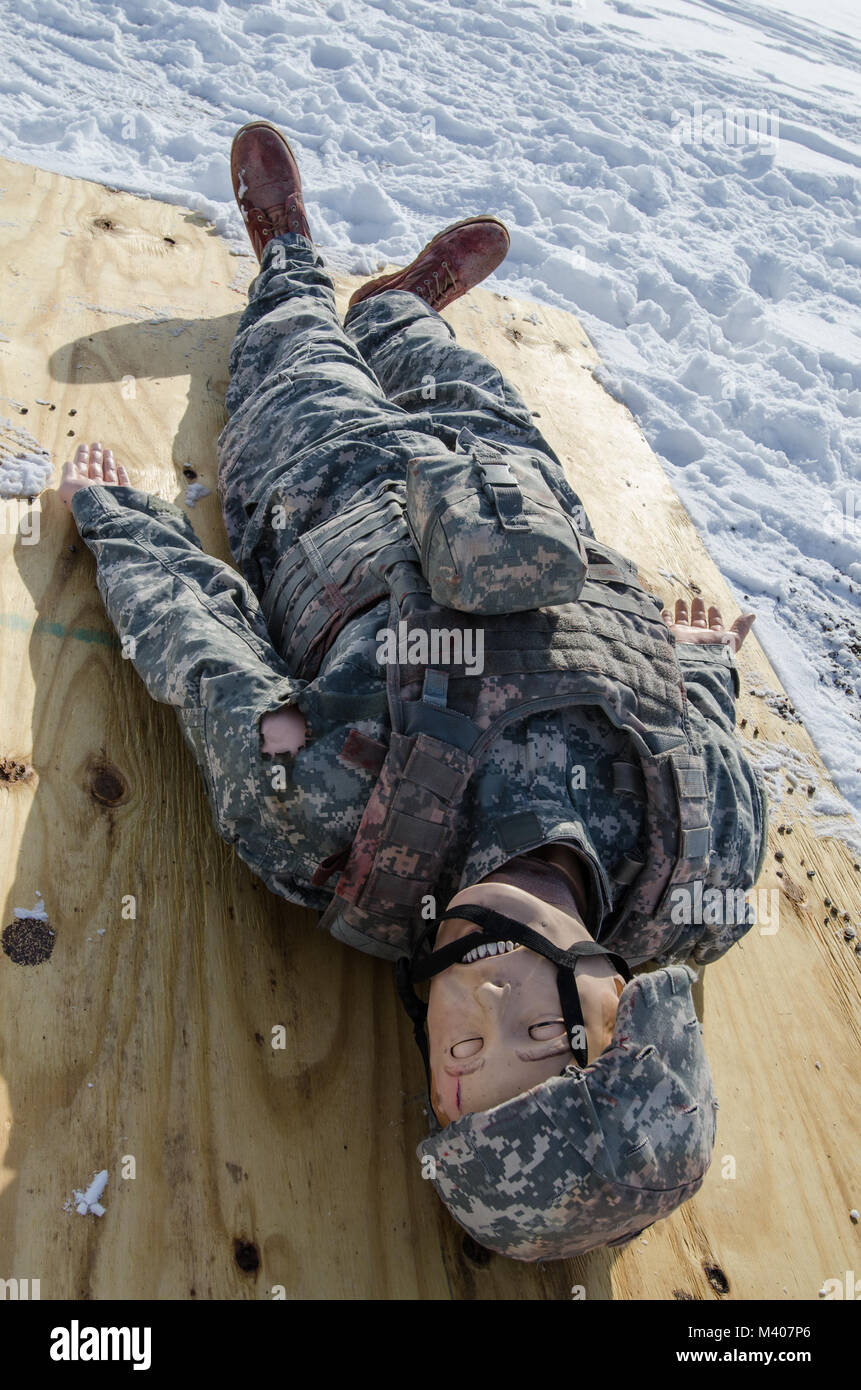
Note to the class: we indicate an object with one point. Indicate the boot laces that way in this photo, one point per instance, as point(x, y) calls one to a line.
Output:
point(289, 218)
point(278, 219)
point(436, 291)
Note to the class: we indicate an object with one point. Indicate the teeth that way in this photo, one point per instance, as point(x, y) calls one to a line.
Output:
point(493, 948)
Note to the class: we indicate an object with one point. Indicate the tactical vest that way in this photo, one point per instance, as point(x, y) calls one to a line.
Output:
point(609, 649)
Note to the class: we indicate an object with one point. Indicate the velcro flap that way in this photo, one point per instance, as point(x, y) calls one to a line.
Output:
point(406, 892)
point(415, 833)
point(428, 772)
point(691, 781)
point(696, 843)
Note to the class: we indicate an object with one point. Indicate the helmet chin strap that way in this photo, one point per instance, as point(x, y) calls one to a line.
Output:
point(496, 926)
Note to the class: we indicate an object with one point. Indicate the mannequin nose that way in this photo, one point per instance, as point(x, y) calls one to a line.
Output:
point(492, 996)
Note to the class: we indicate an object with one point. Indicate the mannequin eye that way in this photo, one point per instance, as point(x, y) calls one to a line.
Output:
point(551, 1029)
point(468, 1048)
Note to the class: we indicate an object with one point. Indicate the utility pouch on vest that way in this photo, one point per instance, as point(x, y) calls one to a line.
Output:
point(492, 534)
point(407, 829)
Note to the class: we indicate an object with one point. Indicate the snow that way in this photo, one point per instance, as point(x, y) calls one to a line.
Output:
point(682, 174)
point(194, 492)
point(24, 466)
point(35, 913)
point(87, 1203)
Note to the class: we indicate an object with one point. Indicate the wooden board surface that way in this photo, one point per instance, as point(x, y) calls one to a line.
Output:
point(258, 1170)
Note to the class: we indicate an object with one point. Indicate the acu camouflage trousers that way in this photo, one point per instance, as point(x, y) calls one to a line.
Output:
point(320, 414)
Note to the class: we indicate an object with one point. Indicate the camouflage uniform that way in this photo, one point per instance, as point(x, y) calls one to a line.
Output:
point(320, 418)
point(323, 421)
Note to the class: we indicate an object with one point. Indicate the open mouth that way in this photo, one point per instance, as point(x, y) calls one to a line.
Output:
point(491, 948)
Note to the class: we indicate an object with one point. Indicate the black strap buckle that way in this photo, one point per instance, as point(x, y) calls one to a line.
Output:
point(503, 489)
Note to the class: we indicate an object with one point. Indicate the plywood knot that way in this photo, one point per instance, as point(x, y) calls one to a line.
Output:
point(14, 770)
point(28, 940)
point(246, 1255)
point(106, 783)
point(716, 1278)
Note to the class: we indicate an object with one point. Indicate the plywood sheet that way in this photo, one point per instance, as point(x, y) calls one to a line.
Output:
point(142, 1045)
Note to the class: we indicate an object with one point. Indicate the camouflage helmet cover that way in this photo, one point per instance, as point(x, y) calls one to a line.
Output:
point(593, 1156)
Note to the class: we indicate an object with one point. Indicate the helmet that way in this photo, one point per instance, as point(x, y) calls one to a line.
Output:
point(591, 1157)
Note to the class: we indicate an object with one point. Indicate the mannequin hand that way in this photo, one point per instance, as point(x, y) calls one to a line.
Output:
point(709, 631)
point(90, 465)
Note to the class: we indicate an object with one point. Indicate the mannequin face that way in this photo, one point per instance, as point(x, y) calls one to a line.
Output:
point(495, 1025)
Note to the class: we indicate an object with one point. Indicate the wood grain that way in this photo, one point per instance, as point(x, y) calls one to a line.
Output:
point(259, 1169)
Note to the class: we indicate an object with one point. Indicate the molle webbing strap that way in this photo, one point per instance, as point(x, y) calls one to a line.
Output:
point(313, 617)
point(445, 724)
point(435, 689)
point(404, 577)
point(627, 870)
point(407, 828)
point(290, 572)
point(414, 833)
point(396, 894)
point(610, 565)
point(608, 598)
point(500, 484)
point(334, 572)
point(432, 775)
point(692, 789)
point(604, 571)
point(678, 843)
point(627, 777)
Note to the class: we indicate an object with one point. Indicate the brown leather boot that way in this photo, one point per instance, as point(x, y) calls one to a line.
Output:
point(266, 183)
point(452, 262)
